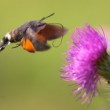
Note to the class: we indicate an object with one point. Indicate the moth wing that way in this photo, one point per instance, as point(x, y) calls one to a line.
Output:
point(41, 46)
point(27, 45)
point(52, 31)
point(33, 42)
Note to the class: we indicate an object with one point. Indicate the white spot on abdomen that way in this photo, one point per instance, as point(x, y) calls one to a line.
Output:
point(8, 36)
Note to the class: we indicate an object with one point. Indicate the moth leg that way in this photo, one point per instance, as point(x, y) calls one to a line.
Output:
point(16, 46)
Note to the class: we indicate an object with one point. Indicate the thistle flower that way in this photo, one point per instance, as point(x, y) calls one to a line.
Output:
point(87, 60)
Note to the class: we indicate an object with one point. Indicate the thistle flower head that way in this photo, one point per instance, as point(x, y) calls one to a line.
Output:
point(87, 60)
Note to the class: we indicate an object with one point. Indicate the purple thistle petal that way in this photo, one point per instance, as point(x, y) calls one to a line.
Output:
point(89, 47)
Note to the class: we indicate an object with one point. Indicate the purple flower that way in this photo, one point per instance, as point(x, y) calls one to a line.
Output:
point(87, 60)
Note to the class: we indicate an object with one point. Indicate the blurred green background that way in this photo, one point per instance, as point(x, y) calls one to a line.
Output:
point(32, 81)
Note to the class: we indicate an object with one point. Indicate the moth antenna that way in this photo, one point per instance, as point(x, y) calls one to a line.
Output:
point(47, 17)
point(61, 36)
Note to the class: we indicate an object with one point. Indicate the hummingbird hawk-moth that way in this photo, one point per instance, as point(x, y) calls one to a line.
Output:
point(33, 35)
